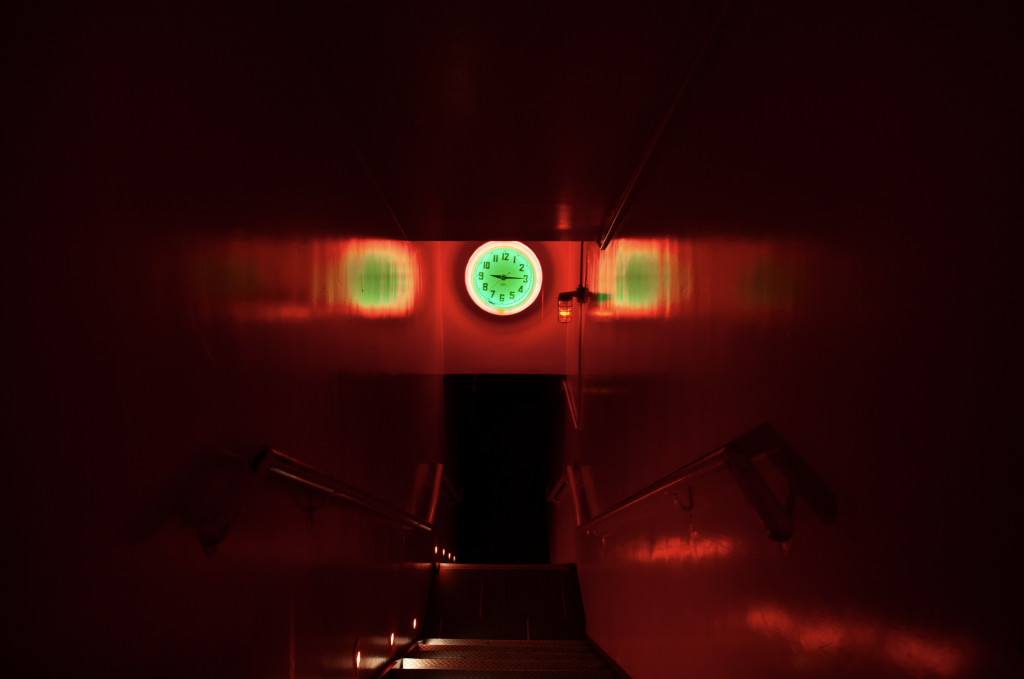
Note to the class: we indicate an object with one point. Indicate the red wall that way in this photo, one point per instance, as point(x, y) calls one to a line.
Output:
point(823, 246)
point(185, 209)
point(530, 342)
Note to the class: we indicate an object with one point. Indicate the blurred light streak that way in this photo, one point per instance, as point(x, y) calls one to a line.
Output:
point(280, 280)
point(918, 653)
point(767, 283)
point(564, 217)
point(643, 278)
point(376, 278)
point(691, 549)
point(677, 550)
point(664, 278)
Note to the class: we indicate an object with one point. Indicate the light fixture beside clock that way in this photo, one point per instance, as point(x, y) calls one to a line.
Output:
point(504, 277)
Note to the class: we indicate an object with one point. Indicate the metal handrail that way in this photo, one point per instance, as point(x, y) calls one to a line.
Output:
point(706, 464)
point(289, 467)
point(736, 457)
point(214, 527)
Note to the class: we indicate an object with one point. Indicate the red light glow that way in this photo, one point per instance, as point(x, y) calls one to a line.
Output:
point(919, 653)
point(643, 278)
point(296, 280)
point(564, 310)
point(694, 548)
point(564, 217)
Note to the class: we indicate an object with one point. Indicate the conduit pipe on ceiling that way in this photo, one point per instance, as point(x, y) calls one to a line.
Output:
point(618, 213)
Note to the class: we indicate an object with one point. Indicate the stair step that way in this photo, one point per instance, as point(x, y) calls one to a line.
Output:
point(552, 662)
point(461, 651)
point(499, 653)
point(499, 674)
point(428, 644)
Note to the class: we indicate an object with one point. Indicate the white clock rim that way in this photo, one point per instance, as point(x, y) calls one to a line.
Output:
point(538, 276)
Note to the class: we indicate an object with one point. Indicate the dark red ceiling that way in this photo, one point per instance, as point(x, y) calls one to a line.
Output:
point(501, 120)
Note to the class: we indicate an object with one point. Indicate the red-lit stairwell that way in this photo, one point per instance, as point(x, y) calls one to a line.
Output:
point(504, 621)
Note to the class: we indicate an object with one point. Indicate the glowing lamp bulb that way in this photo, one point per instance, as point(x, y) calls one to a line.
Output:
point(442, 552)
point(359, 656)
point(414, 623)
point(565, 307)
point(435, 549)
point(392, 638)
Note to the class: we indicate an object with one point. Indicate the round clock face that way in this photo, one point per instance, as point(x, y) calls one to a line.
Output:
point(503, 277)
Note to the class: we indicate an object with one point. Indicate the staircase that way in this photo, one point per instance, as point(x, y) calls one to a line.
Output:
point(504, 622)
point(502, 659)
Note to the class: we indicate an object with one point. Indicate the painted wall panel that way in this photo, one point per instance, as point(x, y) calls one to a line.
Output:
point(530, 342)
point(806, 254)
point(198, 265)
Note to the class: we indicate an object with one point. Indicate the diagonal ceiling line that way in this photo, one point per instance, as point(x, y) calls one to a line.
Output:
point(380, 191)
point(625, 200)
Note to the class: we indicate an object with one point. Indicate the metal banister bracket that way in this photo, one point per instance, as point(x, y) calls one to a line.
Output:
point(559, 485)
point(776, 520)
point(214, 527)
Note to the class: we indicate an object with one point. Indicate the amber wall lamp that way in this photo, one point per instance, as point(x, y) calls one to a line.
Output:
point(565, 303)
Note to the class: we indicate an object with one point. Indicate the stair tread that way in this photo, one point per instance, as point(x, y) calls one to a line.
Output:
point(506, 663)
point(434, 651)
point(500, 652)
point(512, 643)
point(500, 674)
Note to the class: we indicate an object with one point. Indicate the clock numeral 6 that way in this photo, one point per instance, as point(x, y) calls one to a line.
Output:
point(501, 298)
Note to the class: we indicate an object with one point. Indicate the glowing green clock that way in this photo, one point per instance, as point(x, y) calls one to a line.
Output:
point(503, 277)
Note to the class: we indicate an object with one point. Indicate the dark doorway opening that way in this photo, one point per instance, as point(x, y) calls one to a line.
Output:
point(503, 430)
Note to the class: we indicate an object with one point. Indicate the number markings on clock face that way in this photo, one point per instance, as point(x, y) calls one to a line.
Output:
point(503, 278)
